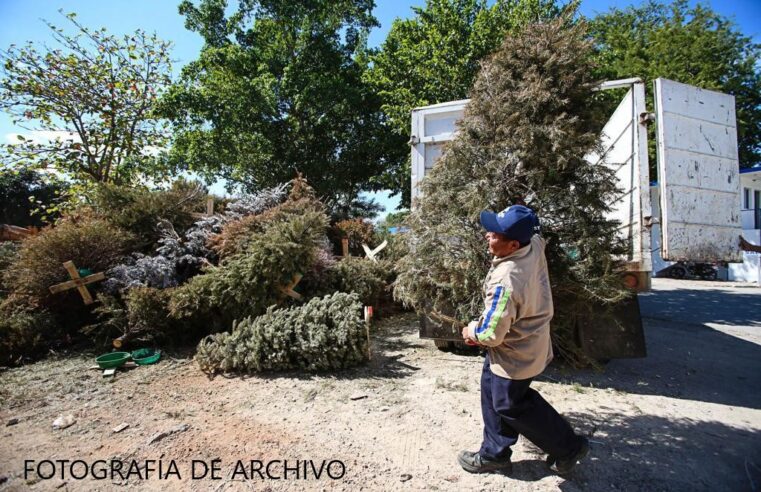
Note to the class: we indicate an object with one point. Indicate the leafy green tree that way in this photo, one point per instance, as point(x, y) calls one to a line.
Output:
point(694, 45)
point(395, 219)
point(95, 94)
point(278, 90)
point(434, 57)
point(27, 198)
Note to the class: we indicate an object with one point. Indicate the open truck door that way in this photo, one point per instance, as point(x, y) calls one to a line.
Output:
point(619, 334)
point(432, 127)
point(698, 173)
point(624, 151)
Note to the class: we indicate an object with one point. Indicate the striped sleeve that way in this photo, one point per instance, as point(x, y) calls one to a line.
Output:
point(495, 320)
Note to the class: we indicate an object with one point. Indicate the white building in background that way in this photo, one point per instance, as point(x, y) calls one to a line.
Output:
point(750, 213)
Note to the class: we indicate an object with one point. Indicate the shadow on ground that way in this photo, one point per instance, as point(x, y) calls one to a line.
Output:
point(701, 306)
point(687, 359)
point(650, 453)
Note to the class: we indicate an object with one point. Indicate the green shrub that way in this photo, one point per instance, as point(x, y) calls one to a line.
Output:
point(28, 197)
point(25, 333)
point(8, 254)
point(325, 334)
point(246, 284)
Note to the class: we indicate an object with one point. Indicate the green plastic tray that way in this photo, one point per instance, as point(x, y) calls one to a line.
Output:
point(145, 356)
point(114, 359)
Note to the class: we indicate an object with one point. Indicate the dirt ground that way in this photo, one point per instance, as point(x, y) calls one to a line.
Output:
point(687, 417)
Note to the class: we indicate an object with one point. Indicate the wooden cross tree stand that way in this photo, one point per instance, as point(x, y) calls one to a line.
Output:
point(288, 289)
point(372, 253)
point(77, 282)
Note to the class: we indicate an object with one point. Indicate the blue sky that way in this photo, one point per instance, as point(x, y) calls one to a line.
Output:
point(21, 20)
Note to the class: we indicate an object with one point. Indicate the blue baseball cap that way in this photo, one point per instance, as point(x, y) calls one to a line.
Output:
point(515, 222)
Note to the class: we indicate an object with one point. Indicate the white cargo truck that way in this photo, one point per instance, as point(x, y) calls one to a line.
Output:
point(698, 175)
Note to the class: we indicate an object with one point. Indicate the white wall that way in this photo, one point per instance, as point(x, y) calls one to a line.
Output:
point(750, 269)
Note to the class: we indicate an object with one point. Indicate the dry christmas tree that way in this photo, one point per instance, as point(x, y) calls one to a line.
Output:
point(324, 334)
point(261, 254)
point(137, 209)
point(25, 332)
point(179, 258)
point(531, 120)
point(367, 278)
point(139, 315)
point(237, 234)
point(246, 284)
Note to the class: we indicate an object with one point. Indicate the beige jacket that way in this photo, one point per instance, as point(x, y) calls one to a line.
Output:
point(515, 324)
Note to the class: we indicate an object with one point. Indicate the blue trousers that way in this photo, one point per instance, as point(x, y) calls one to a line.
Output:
point(510, 408)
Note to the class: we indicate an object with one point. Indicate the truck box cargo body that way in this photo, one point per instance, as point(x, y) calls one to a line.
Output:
point(698, 171)
point(698, 168)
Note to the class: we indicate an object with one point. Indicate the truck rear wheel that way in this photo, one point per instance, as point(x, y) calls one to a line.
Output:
point(678, 271)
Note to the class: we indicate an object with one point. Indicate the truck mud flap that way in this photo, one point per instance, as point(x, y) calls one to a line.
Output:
point(617, 335)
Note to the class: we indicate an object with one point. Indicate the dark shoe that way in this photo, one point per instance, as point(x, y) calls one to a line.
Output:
point(566, 465)
point(474, 463)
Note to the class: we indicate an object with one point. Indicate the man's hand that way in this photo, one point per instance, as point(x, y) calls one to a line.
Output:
point(466, 330)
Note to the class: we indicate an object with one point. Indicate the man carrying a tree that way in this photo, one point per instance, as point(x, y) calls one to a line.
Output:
point(515, 331)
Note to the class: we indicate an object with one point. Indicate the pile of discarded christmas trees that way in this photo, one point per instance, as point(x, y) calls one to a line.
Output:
point(258, 282)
